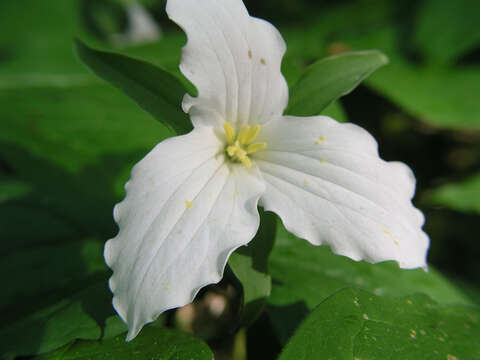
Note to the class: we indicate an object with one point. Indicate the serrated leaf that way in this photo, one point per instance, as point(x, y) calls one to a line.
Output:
point(250, 266)
point(355, 324)
point(155, 90)
point(464, 196)
point(328, 79)
point(304, 275)
point(152, 343)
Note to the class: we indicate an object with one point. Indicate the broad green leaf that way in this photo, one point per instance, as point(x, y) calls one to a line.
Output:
point(304, 275)
point(154, 89)
point(80, 316)
point(12, 188)
point(446, 30)
point(152, 343)
point(43, 269)
point(463, 196)
point(442, 97)
point(250, 265)
point(71, 125)
point(336, 112)
point(47, 49)
point(328, 79)
point(355, 324)
point(83, 139)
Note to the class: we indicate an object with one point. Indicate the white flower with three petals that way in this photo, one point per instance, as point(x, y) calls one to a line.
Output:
point(193, 199)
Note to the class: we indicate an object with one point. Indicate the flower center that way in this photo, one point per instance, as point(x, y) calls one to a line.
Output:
point(239, 147)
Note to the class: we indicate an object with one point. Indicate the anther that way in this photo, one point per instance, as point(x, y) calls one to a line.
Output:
point(230, 132)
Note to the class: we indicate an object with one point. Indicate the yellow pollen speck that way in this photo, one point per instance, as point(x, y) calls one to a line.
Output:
point(365, 316)
point(386, 232)
point(321, 140)
point(262, 61)
point(413, 334)
point(239, 148)
point(306, 182)
point(188, 204)
point(250, 55)
point(324, 161)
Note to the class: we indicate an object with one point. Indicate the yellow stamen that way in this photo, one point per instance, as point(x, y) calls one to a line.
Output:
point(246, 161)
point(244, 135)
point(188, 204)
point(256, 147)
point(230, 132)
point(253, 133)
point(240, 147)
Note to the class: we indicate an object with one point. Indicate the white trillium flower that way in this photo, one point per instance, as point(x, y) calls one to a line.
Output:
point(193, 199)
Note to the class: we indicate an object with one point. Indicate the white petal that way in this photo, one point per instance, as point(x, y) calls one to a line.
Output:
point(185, 211)
point(234, 61)
point(328, 184)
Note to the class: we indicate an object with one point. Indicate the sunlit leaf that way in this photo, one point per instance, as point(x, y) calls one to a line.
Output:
point(355, 324)
point(154, 89)
point(304, 275)
point(328, 79)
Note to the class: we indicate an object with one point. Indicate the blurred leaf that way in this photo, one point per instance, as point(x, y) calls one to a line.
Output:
point(446, 30)
point(441, 97)
point(354, 324)
point(463, 196)
point(41, 270)
point(72, 125)
point(305, 275)
point(154, 89)
point(328, 79)
point(152, 344)
point(37, 37)
point(336, 111)
point(81, 316)
point(250, 265)
point(11, 189)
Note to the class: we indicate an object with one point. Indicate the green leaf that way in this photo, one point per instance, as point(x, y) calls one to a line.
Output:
point(152, 343)
point(336, 111)
point(439, 96)
point(355, 324)
point(327, 80)
point(445, 44)
point(304, 275)
point(12, 188)
point(155, 90)
point(80, 316)
point(464, 196)
point(250, 266)
point(43, 269)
